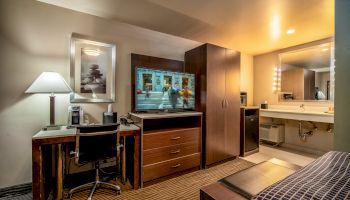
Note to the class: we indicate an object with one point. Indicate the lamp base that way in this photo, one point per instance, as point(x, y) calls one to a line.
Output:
point(52, 128)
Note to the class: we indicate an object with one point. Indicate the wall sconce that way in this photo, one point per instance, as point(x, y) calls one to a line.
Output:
point(276, 83)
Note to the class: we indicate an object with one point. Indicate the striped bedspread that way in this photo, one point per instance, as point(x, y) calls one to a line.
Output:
point(328, 177)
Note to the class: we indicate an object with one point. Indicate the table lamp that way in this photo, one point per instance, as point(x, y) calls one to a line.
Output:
point(50, 82)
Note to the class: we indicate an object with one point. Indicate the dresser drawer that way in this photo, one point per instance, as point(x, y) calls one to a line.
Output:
point(165, 168)
point(163, 138)
point(151, 156)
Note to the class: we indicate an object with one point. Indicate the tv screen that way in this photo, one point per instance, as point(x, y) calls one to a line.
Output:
point(163, 90)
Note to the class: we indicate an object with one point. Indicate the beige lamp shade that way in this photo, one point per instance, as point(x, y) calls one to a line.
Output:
point(49, 82)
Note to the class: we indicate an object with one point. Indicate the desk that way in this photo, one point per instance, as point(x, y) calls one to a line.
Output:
point(64, 135)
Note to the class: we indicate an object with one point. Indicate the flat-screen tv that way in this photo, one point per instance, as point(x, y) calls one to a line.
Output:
point(163, 90)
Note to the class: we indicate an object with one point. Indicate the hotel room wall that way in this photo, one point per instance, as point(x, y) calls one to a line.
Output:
point(35, 37)
point(342, 71)
point(320, 142)
point(263, 76)
point(247, 77)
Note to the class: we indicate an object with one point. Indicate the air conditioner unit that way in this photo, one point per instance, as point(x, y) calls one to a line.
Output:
point(272, 133)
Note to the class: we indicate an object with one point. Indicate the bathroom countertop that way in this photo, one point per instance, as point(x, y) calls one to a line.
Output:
point(307, 115)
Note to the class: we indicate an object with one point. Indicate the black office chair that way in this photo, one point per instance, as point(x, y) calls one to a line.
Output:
point(95, 143)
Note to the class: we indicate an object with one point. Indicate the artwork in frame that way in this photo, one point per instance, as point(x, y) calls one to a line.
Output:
point(92, 70)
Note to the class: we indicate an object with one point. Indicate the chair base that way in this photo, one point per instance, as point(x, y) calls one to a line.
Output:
point(94, 185)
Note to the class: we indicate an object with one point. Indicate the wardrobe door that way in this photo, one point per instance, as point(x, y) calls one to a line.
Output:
point(232, 107)
point(215, 123)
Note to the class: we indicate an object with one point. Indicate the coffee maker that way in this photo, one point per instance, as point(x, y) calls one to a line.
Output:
point(75, 115)
point(243, 99)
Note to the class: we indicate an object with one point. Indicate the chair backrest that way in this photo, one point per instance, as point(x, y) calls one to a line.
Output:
point(96, 142)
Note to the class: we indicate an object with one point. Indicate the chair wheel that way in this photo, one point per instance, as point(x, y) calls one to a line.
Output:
point(119, 192)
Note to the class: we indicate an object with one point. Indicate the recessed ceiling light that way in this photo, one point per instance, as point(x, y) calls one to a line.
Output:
point(290, 31)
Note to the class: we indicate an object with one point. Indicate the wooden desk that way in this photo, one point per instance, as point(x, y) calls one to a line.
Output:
point(64, 135)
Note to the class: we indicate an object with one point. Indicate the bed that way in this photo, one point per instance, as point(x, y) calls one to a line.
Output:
point(328, 177)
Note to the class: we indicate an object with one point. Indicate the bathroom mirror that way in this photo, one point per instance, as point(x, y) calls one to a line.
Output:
point(308, 74)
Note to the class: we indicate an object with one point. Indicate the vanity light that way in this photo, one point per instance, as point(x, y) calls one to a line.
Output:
point(276, 83)
point(91, 52)
point(324, 49)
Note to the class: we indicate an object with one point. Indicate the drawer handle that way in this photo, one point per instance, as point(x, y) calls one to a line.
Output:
point(175, 152)
point(176, 138)
point(176, 166)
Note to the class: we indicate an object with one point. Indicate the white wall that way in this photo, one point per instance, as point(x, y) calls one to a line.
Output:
point(34, 37)
point(342, 72)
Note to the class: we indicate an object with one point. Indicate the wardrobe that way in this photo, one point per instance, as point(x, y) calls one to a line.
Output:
point(217, 72)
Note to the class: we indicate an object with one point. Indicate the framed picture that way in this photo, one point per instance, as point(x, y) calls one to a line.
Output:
point(92, 70)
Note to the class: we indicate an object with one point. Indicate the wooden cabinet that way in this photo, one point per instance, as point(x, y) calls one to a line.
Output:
point(217, 72)
point(167, 167)
point(168, 137)
point(169, 151)
point(171, 143)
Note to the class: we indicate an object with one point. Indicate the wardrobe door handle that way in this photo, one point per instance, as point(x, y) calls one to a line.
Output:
point(176, 138)
point(226, 103)
point(175, 152)
point(223, 103)
point(176, 166)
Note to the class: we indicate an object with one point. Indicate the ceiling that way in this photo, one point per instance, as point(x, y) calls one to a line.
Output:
point(250, 26)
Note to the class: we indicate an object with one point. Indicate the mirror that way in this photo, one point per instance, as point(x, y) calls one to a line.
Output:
point(308, 73)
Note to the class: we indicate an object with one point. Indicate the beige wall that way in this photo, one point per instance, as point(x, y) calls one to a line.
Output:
point(342, 72)
point(247, 77)
point(34, 37)
point(263, 74)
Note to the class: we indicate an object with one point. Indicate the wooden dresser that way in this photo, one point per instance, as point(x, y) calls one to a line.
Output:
point(171, 143)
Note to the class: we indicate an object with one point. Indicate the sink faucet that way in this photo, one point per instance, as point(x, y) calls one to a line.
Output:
point(302, 107)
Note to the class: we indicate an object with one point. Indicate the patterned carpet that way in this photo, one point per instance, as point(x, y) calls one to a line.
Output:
point(19, 192)
point(183, 187)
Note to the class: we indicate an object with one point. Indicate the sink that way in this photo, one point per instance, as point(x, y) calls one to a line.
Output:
point(298, 114)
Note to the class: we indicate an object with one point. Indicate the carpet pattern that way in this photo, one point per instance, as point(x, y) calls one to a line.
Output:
point(182, 187)
point(18, 192)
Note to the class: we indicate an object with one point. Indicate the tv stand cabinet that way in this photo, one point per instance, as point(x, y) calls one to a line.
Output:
point(170, 144)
